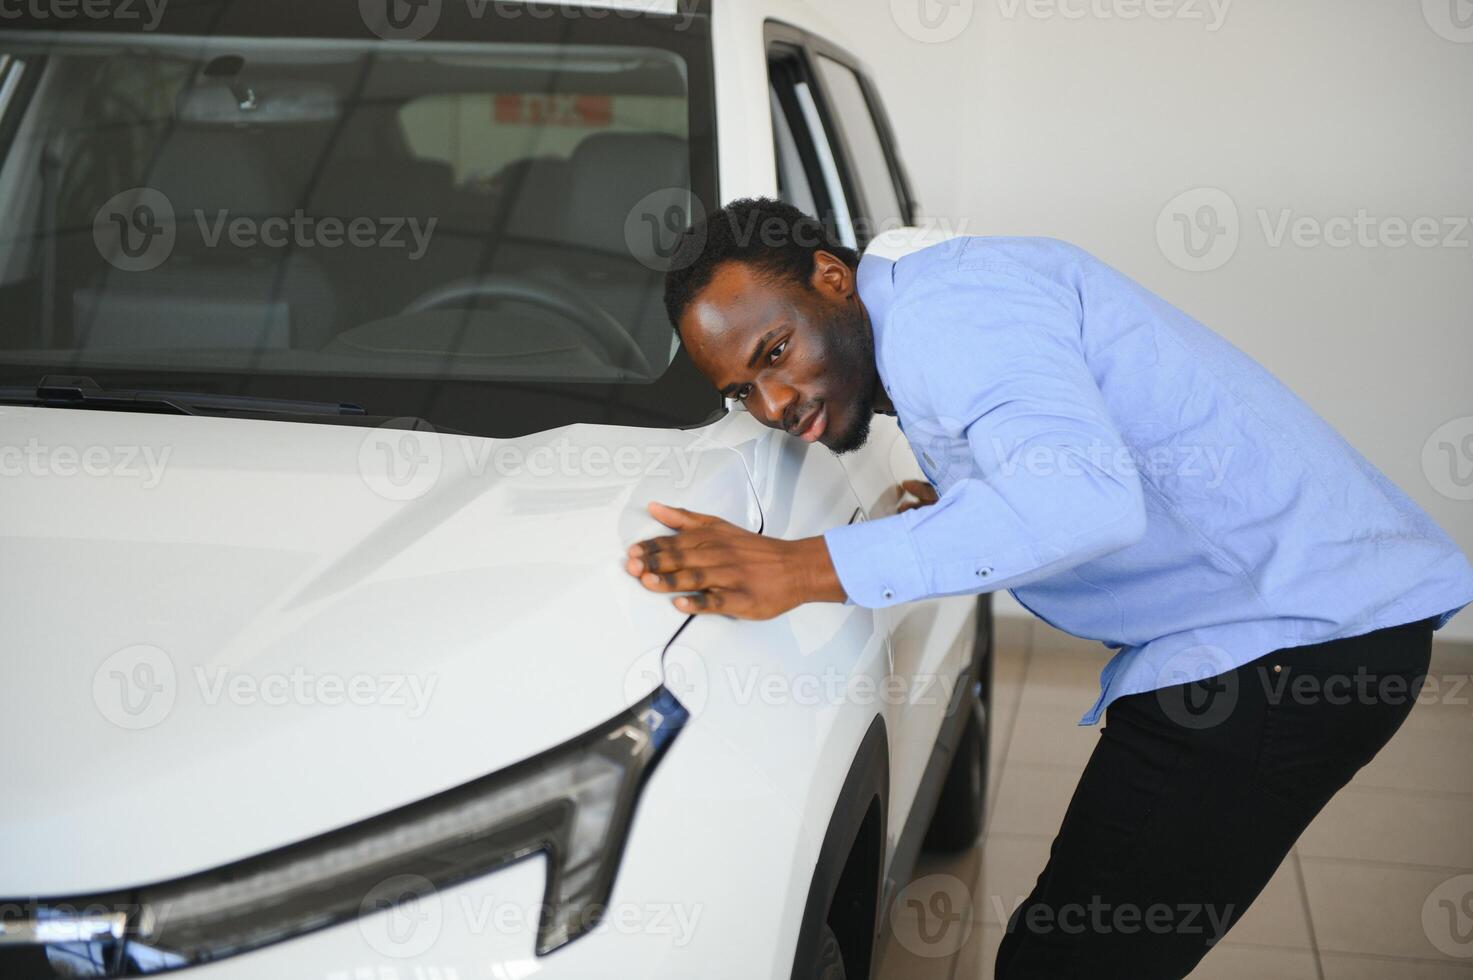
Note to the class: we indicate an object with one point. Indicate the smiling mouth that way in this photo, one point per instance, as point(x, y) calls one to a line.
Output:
point(814, 427)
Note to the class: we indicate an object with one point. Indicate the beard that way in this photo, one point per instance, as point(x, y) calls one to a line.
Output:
point(852, 350)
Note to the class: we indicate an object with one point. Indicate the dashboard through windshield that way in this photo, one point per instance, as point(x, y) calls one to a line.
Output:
point(469, 226)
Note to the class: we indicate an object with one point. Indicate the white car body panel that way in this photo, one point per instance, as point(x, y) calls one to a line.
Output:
point(264, 548)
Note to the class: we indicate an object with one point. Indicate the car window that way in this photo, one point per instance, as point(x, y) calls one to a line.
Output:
point(810, 166)
point(866, 150)
point(480, 228)
point(792, 179)
point(480, 134)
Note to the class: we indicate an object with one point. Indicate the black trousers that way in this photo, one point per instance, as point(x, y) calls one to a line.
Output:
point(1193, 797)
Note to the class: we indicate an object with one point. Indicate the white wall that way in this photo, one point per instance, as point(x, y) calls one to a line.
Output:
point(1036, 120)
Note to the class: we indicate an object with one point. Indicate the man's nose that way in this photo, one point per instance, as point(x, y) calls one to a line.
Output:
point(772, 401)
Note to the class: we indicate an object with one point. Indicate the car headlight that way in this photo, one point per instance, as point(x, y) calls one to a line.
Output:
point(573, 802)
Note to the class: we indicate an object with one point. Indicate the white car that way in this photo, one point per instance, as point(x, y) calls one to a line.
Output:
point(334, 382)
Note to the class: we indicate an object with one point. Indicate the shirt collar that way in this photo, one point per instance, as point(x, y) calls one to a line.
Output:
point(875, 283)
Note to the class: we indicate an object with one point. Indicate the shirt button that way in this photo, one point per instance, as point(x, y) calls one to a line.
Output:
point(888, 593)
point(983, 572)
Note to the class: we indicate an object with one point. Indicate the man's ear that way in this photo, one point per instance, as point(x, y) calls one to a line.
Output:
point(832, 276)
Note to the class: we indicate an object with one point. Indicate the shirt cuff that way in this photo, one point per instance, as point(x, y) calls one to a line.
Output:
point(876, 562)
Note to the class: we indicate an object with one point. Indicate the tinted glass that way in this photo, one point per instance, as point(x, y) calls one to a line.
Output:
point(865, 147)
point(471, 231)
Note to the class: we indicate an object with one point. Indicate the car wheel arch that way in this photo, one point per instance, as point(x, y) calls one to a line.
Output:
point(856, 831)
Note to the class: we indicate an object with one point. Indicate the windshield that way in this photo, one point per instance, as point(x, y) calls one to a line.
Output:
point(470, 227)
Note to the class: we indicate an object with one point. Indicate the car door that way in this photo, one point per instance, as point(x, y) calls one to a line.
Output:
point(847, 174)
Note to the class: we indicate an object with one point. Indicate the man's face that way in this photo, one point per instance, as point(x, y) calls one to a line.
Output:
point(801, 360)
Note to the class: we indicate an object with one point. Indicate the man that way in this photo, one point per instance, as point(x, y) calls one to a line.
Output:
point(1130, 477)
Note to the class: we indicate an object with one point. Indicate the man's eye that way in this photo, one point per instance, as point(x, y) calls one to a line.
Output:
point(773, 354)
point(743, 392)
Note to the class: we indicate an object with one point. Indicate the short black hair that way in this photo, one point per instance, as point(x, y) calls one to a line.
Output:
point(774, 238)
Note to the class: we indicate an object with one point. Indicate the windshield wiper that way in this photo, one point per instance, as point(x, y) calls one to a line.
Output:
point(76, 391)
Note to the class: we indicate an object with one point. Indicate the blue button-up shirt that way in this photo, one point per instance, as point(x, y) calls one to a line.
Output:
point(1125, 472)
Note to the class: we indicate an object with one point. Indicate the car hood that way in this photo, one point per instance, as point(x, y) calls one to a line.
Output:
point(222, 636)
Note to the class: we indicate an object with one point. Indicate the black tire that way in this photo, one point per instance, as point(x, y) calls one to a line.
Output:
point(962, 806)
point(830, 957)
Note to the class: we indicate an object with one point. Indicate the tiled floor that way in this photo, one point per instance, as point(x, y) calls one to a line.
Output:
point(1372, 891)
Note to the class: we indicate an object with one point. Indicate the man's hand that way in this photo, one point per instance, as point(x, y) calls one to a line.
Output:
point(729, 569)
point(924, 493)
